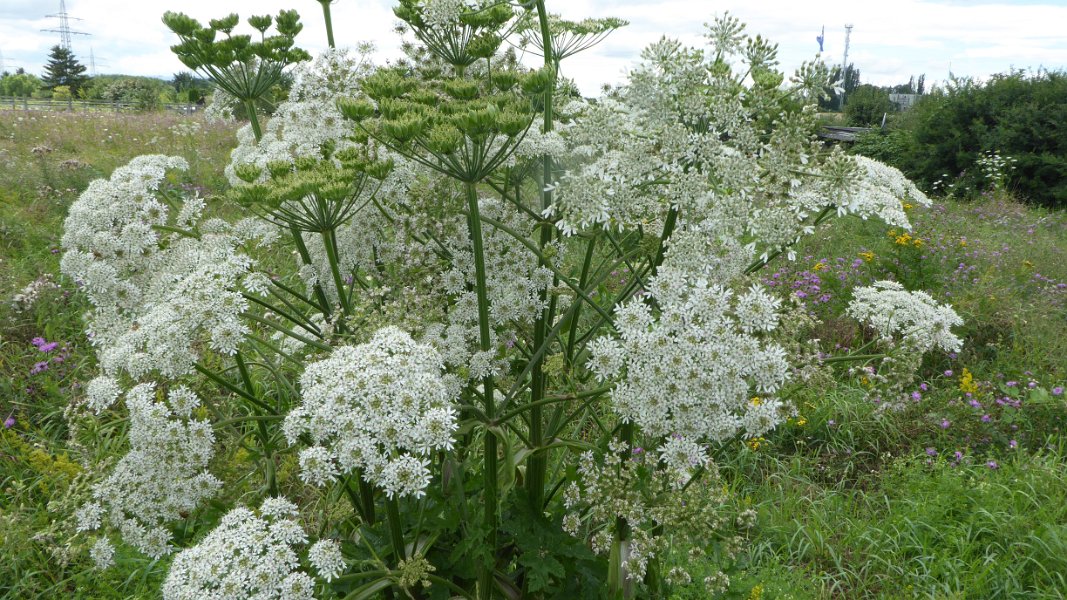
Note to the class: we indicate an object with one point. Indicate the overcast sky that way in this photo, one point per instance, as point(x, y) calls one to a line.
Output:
point(890, 40)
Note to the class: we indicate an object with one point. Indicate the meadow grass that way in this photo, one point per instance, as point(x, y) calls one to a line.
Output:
point(959, 493)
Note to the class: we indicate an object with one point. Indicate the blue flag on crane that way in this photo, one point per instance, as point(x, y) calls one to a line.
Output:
point(822, 36)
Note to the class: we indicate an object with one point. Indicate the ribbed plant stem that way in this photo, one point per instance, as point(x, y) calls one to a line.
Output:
point(537, 465)
point(250, 108)
point(396, 531)
point(474, 226)
point(329, 22)
point(619, 585)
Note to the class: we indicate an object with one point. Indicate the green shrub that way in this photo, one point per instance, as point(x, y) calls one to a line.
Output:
point(1017, 115)
point(867, 106)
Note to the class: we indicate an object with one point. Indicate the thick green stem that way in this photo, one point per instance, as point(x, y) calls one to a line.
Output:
point(474, 226)
point(537, 465)
point(262, 433)
point(619, 584)
point(250, 108)
point(305, 258)
point(329, 240)
point(396, 531)
point(329, 22)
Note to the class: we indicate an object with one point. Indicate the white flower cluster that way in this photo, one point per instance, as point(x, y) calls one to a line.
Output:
point(881, 193)
point(617, 486)
point(156, 296)
point(248, 555)
point(309, 119)
point(681, 136)
point(381, 407)
point(699, 367)
point(443, 13)
point(514, 280)
point(326, 557)
point(915, 316)
point(161, 478)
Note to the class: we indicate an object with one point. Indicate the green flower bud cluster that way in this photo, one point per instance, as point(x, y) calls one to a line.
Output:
point(242, 66)
point(567, 37)
point(464, 128)
point(462, 38)
point(311, 194)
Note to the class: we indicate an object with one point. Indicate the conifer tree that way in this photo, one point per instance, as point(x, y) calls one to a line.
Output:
point(64, 69)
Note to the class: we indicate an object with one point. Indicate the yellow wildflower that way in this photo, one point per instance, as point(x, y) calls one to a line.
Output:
point(918, 243)
point(908, 206)
point(819, 266)
point(903, 239)
point(963, 242)
point(756, 593)
point(755, 401)
point(801, 421)
point(1028, 264)
point(755, 443)
point(967, 384)
point(867, 256)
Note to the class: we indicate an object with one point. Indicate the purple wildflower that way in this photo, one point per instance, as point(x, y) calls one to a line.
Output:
point(1057, 391)
point(37, 368)
point(992, 464)
point(945, 423)
point(986, 418)
point(931, 451)
point(9, 422)
point(948, 373)
point(48, 347)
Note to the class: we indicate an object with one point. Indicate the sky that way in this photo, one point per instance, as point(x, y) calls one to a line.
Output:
point(890, 41)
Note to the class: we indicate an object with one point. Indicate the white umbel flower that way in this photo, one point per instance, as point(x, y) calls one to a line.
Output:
point(325, 556)
point(163, 476)
point(101, 393)
point(379, 407)
point(692, 368)
point(248, 555)
point(159, 300)
point(915, 316)
point(102, 553)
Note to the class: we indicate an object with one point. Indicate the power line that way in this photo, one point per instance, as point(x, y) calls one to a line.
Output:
point(64, 30)
point(93, 62)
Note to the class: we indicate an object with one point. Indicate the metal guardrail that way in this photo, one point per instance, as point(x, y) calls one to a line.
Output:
point(24, 103)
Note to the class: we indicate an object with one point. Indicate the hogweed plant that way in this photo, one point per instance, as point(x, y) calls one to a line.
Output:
point(518, 325)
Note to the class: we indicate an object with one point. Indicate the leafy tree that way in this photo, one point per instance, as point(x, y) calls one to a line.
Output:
point(867, 105)
point(64, 69)
point(19, 84)
point(846, 82)
point(182, 81)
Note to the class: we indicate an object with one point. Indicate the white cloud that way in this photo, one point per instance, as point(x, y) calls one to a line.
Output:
point(890, 41)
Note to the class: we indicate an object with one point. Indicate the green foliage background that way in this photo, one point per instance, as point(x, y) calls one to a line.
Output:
point(1017, 114)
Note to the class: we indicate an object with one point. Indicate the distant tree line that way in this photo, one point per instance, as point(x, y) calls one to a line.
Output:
point(64, 78)
point(864, 104)
point(1018, 114)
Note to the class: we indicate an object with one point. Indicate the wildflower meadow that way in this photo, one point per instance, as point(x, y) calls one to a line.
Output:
point(441, 327)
